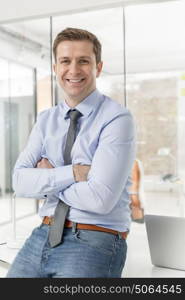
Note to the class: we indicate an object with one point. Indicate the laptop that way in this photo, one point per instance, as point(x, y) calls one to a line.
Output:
point(166, 238)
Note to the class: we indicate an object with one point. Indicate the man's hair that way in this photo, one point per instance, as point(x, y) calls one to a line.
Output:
point(75, 34)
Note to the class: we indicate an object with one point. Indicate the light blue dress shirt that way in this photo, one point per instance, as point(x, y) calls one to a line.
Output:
point(105, 140)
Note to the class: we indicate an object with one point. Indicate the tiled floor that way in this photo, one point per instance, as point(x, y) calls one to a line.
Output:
point(138, 262)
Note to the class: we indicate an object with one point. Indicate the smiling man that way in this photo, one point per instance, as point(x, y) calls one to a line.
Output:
point(79, 158)
point(76, 69)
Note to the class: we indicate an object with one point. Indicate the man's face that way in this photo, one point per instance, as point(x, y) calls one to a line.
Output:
point(76, 69)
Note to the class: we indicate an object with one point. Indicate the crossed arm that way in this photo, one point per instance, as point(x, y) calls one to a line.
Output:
point(80, 172)
point(96, 188)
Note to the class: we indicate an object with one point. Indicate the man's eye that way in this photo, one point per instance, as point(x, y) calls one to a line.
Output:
point(64, 61)
point(84, 61)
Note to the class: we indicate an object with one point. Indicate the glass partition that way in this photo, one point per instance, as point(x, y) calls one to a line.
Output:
point(4, 130)
point(155, 56)
point(25, 80)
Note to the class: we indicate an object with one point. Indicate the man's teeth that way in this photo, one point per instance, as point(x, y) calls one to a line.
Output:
point(75, 80)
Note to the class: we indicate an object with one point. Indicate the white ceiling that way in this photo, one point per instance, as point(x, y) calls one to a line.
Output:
point(20, 9)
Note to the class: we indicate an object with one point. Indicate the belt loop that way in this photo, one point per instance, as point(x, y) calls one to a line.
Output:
point(74, 227)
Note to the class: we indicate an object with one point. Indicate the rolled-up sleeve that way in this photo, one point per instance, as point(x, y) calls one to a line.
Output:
point(110, 169)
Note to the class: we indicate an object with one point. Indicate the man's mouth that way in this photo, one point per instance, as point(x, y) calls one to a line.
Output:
point(75, 80)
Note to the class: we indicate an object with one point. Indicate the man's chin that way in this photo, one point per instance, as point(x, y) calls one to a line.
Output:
point(76, 97)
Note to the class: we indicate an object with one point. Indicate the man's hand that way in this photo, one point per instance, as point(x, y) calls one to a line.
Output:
point(44, 163)
point(80, 172)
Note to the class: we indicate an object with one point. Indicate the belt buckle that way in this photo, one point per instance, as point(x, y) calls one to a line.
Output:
point(122, 235)
point(74, 227)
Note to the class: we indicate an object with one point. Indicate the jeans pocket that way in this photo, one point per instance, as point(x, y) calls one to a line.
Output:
point(101, 241)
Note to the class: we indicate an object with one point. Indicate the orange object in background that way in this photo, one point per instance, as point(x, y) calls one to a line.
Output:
point(136, 193)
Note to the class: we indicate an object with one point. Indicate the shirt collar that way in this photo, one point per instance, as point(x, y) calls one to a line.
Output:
point(86, 107)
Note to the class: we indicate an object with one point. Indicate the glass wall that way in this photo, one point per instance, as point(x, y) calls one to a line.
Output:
point(25, 81)
point(17, 117)
point(155, 56)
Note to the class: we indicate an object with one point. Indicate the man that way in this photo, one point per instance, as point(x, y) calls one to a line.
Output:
point(92, 187)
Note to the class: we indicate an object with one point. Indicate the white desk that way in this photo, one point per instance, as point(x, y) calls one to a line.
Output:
point(138, 262)
point(23, 230)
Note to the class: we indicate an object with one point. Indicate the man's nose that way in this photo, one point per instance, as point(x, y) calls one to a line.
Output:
point(74, 68)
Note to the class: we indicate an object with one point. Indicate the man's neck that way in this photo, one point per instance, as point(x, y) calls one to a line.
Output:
point(73, 102)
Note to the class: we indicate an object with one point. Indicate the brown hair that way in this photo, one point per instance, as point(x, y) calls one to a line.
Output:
point(75, 34)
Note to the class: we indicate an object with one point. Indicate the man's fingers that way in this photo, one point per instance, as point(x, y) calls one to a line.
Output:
point(44, 163)
point(38, 164)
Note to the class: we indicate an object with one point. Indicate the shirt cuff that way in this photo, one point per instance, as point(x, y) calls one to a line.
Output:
point(63, 176)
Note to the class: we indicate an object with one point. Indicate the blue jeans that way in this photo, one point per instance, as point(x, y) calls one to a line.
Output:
point(83, 253)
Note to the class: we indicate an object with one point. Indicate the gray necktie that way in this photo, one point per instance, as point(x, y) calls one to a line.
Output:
point(56, 229)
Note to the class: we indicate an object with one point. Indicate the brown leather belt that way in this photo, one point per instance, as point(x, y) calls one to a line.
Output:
point(69, 224)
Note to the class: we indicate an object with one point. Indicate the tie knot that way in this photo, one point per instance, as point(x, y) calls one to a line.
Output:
point(74, 115)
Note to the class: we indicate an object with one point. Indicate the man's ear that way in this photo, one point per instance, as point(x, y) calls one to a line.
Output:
point(99, 68)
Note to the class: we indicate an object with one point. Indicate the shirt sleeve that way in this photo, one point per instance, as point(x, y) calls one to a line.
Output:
point(32, 182)
point(110, 169)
